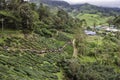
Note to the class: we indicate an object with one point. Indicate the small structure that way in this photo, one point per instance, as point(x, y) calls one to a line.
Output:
point(98, 27)
point(111, 30)
point(92, 33)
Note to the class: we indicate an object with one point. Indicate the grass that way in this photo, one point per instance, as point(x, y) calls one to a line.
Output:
point(93, 18)
point(86, 59)
point(68, 35)
point(96, 39)
point(60, 75)
point(8, 33)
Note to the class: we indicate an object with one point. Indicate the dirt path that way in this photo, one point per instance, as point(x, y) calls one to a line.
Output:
point(75, 51)
point(60, 49)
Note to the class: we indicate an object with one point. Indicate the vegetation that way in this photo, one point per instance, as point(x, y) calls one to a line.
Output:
point(96, 19)
point(36, 44)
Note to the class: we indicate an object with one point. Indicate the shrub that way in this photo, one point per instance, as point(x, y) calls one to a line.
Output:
point(88, 71)
point(62, 37)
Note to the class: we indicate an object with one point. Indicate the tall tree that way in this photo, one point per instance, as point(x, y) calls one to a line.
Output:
point(116, 21)
point(79, 39)
point(43, 12)
point(27, 17)
point(2, 4)
point(62, 20)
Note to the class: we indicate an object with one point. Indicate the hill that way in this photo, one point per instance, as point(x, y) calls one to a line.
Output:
point(80, 8)
point(91, 13)
point(92, 19)
point(93, 9)
point(36, 44)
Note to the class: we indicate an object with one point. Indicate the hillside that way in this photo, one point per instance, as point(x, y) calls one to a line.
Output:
point(35, 58)
point(80, 8)
point(92, 19)
point(49, 43)
point(92, 9)
point(91, 13)
point(52, 3)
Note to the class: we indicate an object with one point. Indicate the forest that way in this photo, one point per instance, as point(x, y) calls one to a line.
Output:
point(44, 42)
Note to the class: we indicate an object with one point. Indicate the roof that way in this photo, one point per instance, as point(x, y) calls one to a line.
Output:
point(90, 32)
point(113, 30)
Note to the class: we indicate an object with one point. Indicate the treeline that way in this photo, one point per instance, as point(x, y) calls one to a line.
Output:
point(25, 16)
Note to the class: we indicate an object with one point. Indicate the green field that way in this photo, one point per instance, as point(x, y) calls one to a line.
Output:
point(92, 19)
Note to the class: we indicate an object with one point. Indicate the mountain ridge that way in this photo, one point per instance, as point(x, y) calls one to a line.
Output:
point(80, 8)
point(64, 2)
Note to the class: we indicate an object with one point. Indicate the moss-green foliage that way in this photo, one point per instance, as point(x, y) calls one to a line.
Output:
point(62, 37)
point(27, 65)
point(100, 62)
point(27, 17)
point(75, 70)
point(20, 57)
point(41, 43)
point(8, 14)
point(103, 49)
point(116, 21)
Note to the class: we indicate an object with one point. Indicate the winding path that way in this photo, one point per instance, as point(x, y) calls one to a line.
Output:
point(60, 49)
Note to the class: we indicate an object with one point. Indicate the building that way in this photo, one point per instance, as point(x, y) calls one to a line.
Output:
point(92, 33)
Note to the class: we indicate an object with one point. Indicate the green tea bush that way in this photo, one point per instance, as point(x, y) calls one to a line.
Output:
point(62, 37)
point(28, 66)
point(44, 32)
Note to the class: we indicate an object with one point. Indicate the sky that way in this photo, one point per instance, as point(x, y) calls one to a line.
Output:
point(106, 3)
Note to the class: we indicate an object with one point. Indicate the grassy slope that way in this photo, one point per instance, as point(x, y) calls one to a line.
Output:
point(26, 65)
point(16, 64)
point(97, 43)
point(93, 18)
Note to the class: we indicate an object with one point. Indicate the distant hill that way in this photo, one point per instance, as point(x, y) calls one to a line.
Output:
point(92, 9)
point(80, 8)
point(52, 3)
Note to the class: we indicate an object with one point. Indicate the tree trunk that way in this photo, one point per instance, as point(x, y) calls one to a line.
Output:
point(75, 50)
point(2, 24)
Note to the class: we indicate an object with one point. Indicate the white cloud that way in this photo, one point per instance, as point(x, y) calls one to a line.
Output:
point(90, 1)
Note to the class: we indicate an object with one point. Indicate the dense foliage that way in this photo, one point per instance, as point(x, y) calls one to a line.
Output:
point(37, 43)
point(76, 70)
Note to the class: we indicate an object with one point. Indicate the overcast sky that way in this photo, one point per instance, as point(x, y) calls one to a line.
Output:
point(108, 3)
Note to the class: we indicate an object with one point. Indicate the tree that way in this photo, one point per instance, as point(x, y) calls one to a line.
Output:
point(43, 12)
point(110, 21)
point(2, 4)
point(33, 6)
point(10, 19)
point(2, 7)
point(62, 20)
point(10, 13)
point(79, 39)
point(27, 17)
point(116, 21)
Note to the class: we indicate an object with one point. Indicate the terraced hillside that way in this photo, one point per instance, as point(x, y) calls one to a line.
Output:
point(20, 61)
point(36, 44)
point(24, 59)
